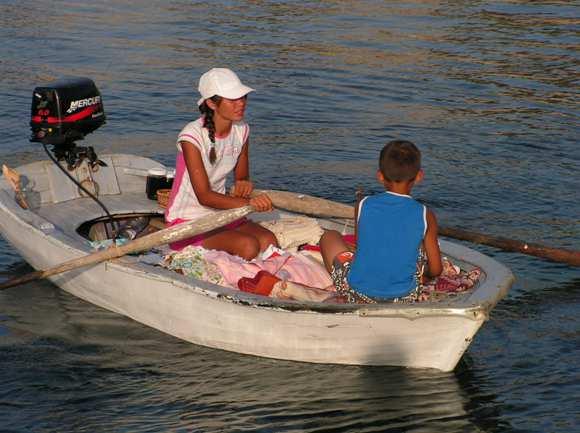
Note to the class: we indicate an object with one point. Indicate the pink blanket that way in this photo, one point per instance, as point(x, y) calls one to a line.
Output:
point(290, 267)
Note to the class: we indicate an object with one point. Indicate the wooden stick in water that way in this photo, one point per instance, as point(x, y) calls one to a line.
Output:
point(561, 255)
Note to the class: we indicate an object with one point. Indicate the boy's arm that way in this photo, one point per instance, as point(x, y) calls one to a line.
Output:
point(431, 244)
point(359, 197)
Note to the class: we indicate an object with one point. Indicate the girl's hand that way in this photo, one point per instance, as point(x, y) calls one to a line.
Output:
point(242, 188)
point(261, 203)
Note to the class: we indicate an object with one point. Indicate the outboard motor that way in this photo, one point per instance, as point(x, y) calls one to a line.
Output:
point(65, 111)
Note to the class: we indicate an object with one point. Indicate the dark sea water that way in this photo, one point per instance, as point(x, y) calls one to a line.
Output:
point(487, 89)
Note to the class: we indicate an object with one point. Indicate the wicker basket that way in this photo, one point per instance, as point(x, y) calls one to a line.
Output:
point(163, 197)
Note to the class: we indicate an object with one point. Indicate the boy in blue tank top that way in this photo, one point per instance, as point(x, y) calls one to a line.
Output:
point(392, 231)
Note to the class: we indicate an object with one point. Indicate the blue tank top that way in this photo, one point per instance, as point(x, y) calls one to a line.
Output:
point(390, 230)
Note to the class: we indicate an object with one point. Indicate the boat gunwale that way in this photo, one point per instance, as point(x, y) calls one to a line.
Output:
point(410, 311)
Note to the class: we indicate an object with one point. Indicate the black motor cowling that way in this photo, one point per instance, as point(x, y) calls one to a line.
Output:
point(65, 110)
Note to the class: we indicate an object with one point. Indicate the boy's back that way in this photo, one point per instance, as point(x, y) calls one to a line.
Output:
point(391, 228)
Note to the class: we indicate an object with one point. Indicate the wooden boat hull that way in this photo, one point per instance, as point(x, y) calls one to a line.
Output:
point(419, 335)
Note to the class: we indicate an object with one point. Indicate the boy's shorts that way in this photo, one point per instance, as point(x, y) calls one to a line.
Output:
point(339, 273)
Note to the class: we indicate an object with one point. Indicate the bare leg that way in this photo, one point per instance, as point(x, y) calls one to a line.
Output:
point(245, 241)
point(233, 242)
point(331, 244)
point(264, 236)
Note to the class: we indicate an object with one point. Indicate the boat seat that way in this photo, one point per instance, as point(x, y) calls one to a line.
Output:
point(71, 214)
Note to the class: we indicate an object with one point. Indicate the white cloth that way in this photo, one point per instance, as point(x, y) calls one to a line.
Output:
point(294, 231)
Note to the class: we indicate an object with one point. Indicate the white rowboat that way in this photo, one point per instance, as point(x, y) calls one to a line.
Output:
point(421, 335)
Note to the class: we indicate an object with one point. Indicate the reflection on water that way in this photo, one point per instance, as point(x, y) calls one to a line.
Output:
point(488, 89)
point(91, 362)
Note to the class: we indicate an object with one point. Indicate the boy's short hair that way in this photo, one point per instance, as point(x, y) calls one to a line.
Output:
point(400, 161)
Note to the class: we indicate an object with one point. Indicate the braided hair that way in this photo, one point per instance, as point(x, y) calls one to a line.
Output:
point(207, 113)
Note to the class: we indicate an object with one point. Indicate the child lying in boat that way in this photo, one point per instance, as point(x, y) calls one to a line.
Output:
point(392, 231)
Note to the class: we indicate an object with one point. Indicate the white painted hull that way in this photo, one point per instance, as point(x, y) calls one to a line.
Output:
point(421, 335)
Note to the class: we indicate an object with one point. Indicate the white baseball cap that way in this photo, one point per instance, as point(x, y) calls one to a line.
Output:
point(222, 82)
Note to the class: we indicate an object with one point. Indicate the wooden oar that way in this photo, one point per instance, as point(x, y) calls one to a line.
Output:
point(161, 237)
point(307, 204)
point(302, 203)
point(561, 255)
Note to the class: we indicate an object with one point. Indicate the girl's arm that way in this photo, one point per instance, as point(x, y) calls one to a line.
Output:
point(200, 183)
point(243, 187)
point(431, 244)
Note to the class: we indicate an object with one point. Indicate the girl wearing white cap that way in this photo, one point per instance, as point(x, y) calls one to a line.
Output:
point(209, 149)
